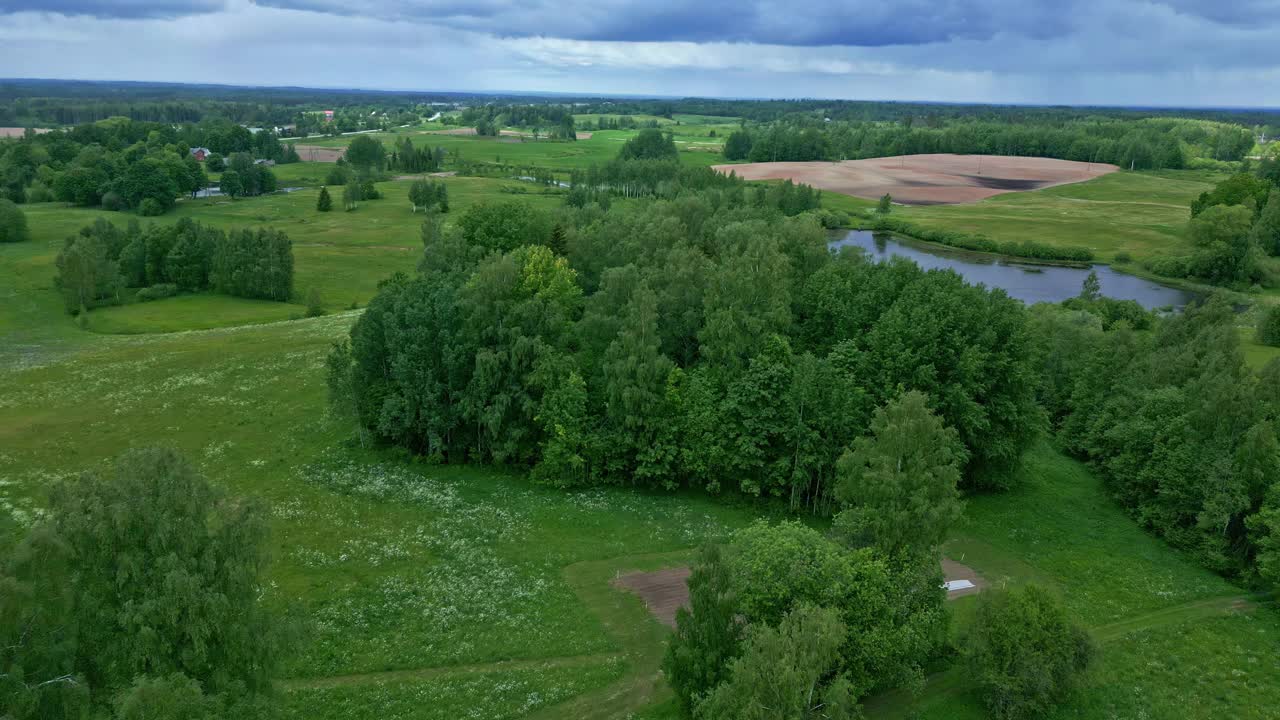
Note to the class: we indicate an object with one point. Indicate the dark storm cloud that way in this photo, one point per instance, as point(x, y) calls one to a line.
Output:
point(1240, 13)
point(127, 9)
point(867, 23)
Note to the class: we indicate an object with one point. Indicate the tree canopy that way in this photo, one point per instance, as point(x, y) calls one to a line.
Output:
point(145, 571)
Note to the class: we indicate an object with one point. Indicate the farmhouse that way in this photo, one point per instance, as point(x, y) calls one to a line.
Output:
point(199, 153)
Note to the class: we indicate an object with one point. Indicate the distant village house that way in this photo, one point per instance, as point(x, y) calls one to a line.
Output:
point(199, 153)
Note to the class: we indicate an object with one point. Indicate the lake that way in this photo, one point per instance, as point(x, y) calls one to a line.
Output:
point(1028, 282)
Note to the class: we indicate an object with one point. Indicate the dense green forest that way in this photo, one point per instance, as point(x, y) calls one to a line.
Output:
point(1181, 429)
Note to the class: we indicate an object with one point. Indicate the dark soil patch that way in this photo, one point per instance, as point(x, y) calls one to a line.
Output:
point(1014, 184)
point(663, 591)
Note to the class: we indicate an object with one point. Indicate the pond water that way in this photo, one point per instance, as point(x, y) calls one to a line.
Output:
point(1030, 283)
point(213, 191)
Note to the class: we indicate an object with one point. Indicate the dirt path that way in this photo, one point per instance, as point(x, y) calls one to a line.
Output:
point(1121, 202)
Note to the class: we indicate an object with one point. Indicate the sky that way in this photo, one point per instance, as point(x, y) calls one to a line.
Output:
point(1113, 52)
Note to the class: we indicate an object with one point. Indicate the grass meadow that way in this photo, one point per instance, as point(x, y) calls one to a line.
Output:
point(430, 592)
point(439, 593)
point(697, 148)
point(1139, 213)
point(342, 254)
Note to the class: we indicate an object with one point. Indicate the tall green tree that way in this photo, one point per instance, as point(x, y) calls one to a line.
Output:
point(635, 375)
point(708, 634)
point(352, 194)
point(366, 154)
point(1225, 251)
point(747, 300)
point(1266, 231)
point(1024, 652)
point(790, 672)
point(86, 273)
point(738, 145)
point(899, 484)
point(324, 203)
point(167, 575)
point(13, 223)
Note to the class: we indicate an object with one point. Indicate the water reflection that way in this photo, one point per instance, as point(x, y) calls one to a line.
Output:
point(1028, 282)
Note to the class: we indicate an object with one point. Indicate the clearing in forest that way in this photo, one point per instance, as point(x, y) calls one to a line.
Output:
point(938, 179)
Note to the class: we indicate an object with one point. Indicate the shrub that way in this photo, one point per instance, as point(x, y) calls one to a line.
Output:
point(113, 201)
point(315, 306)
point(1269, 327)
point(13, 222)
point(39, 192)
point(150, 207)
point(1171, 267)
point(1024, 653)
point(832, 219)
point(981, 243)
point(1123, 257)
point(158, 291)
point(338, 175)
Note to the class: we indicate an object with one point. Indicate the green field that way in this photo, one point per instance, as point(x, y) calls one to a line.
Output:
point(558, 155)
point(342, 254)
point(1139, 213)
point(447, 592)
point(438, 592)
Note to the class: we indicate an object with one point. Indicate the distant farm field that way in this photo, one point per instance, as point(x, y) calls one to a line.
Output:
point(1137, 213)
point(937, 179)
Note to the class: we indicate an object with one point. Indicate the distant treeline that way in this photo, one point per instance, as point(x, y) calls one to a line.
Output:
point(555, 121)
point(24, 102)
point(1131, 144)
point(932, 114)
point(98, 262)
